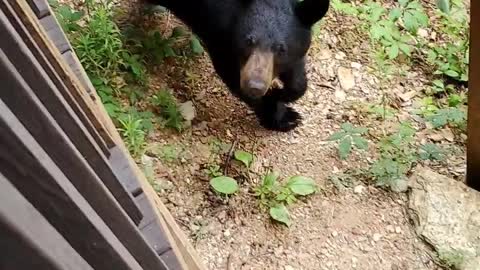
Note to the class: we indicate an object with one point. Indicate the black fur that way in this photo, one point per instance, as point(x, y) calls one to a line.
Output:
point(231, 28)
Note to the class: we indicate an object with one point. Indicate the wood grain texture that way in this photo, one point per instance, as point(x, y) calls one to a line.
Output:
point(40, 7)
point(43, 61)
point(87, 103)
point(41, 87)
point(28, 241)
point(56, 143)
point(55, 33)
point(44, 185)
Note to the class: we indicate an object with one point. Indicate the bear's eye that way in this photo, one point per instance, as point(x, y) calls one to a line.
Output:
point(279, 48)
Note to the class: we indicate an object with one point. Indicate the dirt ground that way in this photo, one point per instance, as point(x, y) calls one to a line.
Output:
point(362, 227)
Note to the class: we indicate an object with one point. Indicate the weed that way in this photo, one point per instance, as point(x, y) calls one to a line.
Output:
point(349, 137)
point(244, 157)
point(431, 151)
point(224, 185)
point(276, 196)
point(454, 117)
point(396, 157)
point(133, 135)
point(169, 110)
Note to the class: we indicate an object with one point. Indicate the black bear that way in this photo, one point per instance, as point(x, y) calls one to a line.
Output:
point(252, 42)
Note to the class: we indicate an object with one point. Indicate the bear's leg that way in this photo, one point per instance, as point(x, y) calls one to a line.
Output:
point(273, 111)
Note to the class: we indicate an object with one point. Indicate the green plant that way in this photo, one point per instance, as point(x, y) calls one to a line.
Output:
point(275, 196)
point(213, 170)
point(430, 151)
point(169, 110)
point(454, 117)
point(349, 137)
point(224, 185)
point(244, 157)
point(396, 157)
point(451, 58)
point(133, 135)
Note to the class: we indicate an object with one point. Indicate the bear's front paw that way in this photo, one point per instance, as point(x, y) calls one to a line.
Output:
point(278, 117)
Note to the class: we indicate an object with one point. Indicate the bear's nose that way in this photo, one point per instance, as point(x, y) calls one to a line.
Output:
point(256, 88)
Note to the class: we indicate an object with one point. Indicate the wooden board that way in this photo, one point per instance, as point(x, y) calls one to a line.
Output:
point(78, 172)
point(44, 185)
point(53, 76)
point(28, 240)
point(56, 107)
point(40, 7)
point(63, 70)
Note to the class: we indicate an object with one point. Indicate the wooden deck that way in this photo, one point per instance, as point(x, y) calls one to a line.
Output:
point(72, 197)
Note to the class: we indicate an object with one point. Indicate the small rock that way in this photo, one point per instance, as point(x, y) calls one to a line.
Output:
point(340, 56)
point(334, 233)
point(377, 237)
point(356, 65)
point(422, 32)
point(227, 233)
point(187, 110)
point(390, 228)
point(324, 54)
point(340, 95)
point(288, 267)
point(358, 189)
point(398, 230)
point(399, 185)
point(346, 78)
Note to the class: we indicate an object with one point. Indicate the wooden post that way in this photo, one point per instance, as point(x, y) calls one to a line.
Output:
point(473, 144)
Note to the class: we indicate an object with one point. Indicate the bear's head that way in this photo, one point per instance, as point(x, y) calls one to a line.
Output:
point(270, 36)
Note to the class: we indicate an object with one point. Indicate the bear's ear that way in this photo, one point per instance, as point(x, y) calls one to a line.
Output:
point(311, 11)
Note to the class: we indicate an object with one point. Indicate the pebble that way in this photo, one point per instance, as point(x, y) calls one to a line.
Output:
point(377, 237)
point(358, 189)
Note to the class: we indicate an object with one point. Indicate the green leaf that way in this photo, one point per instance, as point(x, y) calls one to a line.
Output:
point(444, 6)
point(360, 142)
point(452, 73)
point(337, 136)
point(196, 46)
point(270, 179)
point(245, 157)
point(393, 51)
point(395, 14)
point(280, 214)
point(403, 3)
point(178, 32)
point(302, 185)
point(345, 147)
point(410, 22)
point(348, 127)
point(406, 49)
point(224, 185)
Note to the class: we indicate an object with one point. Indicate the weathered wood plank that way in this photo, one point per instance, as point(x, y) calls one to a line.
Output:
point(124, 172)
point(44, 62)
point(47, 132)
point(74, 64)
point(473, 144)
point(28, 240)
point(57, 107)
point(156, 237)
point(45, 186)
point(40, 7)
point(55, 33)
point(87, 102)
point(171, 260)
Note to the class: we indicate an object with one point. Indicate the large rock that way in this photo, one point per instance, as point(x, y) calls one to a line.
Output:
point(446, 214)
